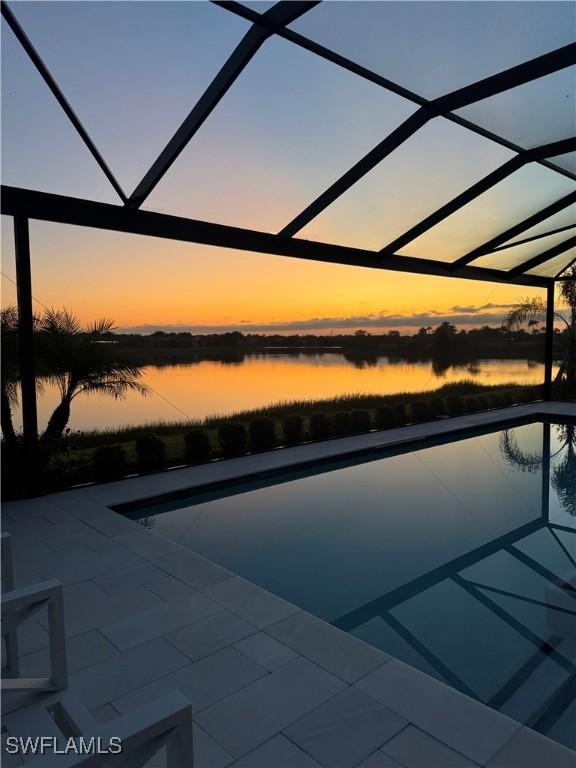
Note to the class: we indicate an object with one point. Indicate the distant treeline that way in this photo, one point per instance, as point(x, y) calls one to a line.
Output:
point(446, 342)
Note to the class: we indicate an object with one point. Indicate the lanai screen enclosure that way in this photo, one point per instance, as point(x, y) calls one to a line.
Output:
point(510, 83)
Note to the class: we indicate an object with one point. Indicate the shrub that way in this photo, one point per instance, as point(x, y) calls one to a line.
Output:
point(526, 396)
point(360, 420)
point(150, 453)
point(109, 463)
point(419, 411)
point(400, 414)
point(319, 426)
point(293, 429)
point(384, 418)
point(483, 402)
point(196, 446)
point(497, 399)
point(341, 423)
point(436, 406)
point(232, 438)
point(473, 403)
point(262, 434)
point(454, 405)
point(14, 472)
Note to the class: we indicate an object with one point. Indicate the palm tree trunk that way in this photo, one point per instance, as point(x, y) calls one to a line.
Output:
point(571, 358)
point(6, 419)
point(58, 421)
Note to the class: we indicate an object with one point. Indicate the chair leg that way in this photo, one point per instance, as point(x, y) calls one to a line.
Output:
point(180, 747)
point(57, 633)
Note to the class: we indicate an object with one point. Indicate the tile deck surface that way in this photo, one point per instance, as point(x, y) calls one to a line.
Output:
point(270, 685)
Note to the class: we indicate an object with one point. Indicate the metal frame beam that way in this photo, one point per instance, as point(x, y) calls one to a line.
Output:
point(560, 274)
point(477, 189)
point(280, 14)
point(550, 253)
point(362, 167)
point(549, 344)
point(26, 351)
point(490, 86)
point(531, 239)
point(273, 22)
point(517, 229)
point(44, 72)
point(87, 213)
point(351, 66)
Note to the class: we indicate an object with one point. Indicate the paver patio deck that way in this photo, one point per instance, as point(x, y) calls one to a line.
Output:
point(270, 685)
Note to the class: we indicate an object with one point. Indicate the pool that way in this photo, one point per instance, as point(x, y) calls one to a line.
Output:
point(458, 558)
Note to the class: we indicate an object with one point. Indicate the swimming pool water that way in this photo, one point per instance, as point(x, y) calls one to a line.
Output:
point(459, 559)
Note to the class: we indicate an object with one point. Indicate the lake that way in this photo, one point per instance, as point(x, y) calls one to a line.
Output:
point(208, 387)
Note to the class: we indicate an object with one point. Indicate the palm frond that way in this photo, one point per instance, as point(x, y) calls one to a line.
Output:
point(524, 311)
point(568, 287)
point(60, 322)
point(113, 386)
point(101, 327)
point(515, 456)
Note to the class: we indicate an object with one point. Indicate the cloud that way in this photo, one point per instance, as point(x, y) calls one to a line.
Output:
point(472, 310)
point(487, 314)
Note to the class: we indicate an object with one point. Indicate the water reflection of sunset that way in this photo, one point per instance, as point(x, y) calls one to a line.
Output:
point(211, 387)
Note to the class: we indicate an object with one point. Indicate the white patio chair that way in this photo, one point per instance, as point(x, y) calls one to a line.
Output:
point(166, 722)
point(18, 606)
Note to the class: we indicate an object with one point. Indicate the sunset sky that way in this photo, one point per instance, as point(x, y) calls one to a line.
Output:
point(289, 126)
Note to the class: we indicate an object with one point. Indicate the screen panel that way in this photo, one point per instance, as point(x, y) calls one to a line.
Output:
point(508, 258)
point(41, 149)
point(553, 266)
point(533, 114)
point(432, 47)
point(567, 161)
point(289, 127)
point(131, 71)
point(564, 218)
point(8, 292)
point(435, 164)
point(524, 193)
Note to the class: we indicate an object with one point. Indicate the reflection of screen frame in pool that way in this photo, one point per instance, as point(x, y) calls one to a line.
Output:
point(452, 571)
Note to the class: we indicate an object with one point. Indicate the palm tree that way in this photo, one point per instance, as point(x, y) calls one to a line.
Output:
point(77, 362)
point(531, 310)
point(72, 358)
point(564, 470)
point(9, 372)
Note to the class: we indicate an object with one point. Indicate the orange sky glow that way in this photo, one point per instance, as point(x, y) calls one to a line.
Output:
point(146, 281)
point(289, 126)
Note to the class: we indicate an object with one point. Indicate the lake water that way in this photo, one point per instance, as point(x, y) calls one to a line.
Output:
point(209, 387)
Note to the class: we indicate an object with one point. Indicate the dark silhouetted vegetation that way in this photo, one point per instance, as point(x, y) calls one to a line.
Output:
point(176, 443)
point(319, 427)
point(150, 453)
point(419, 411)
point(385, 417)
point(341, 423)
point(233, 438)
point(360, 420)
point(196, 446)
point(293, 429)
point(262, 434)
point(109, 463)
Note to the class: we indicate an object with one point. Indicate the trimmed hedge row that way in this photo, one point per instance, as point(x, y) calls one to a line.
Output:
point(234, 439)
